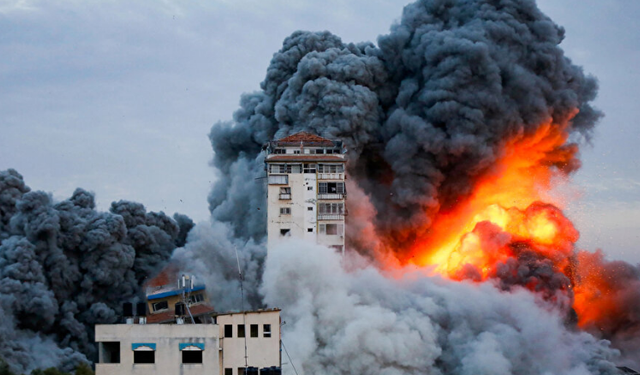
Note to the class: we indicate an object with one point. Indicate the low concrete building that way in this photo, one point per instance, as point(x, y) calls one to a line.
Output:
point(259, 331)
point(147, 349)
point(233, 342)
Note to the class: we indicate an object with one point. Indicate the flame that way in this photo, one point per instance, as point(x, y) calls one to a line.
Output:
point(506, 208)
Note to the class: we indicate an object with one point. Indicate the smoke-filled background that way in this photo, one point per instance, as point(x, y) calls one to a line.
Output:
point(64, 267)
point(427, 110)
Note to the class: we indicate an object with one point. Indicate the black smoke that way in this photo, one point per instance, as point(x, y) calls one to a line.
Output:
point(64, 266)
point(424, 113)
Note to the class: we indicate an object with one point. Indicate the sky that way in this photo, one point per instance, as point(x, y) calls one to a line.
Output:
point(117, 97)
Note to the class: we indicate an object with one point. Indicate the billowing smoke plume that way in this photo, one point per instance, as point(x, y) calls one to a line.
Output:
point(339, 322)
point(427, 114)
point(424, 114)
point(65, 267)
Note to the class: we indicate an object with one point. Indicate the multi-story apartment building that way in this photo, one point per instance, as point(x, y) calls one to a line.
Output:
point(306, 189)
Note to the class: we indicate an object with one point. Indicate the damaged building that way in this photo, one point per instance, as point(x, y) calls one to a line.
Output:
point(306, 191)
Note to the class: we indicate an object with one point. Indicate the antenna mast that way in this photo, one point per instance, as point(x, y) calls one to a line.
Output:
point(244, 315)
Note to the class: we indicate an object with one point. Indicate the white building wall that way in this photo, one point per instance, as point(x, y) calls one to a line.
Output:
point(168, 357)
point(261, 351)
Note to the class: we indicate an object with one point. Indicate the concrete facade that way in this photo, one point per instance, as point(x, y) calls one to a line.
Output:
point(221, 344)
point(306, 193)
point(168, 354)
point(263, 350)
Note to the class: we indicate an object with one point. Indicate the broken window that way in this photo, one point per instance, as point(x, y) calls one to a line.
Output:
point(240, 330)
point(266, 330)
point(228, 330)
point(254, 330)
point(109, 352)
point(310, 208)
point(196, 298)
point(284, 232)
point(310, 230)
point(158, 306)
point(228, 371)
point(285, 190)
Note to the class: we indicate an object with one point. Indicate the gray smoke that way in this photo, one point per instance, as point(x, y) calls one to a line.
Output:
point(362, 321)
point(424, 114)
point(65, 267)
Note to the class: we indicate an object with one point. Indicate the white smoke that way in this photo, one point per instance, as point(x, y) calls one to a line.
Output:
point(365, 322)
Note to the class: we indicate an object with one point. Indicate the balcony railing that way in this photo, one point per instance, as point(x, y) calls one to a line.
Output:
point(332, 196)
point(331, 176)
point(285, 197)
point(330, 217)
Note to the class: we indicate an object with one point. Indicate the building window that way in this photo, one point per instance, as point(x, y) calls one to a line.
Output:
point(278, 180)
point(331, 208)
point(196, 298)
point(330, 168)
point(284, 232)
point(110, 352)
point(310, 230)
point(254, 330)
point(228, 330)
point(144, 353)
point(240, 330)
point(309, 188)
point(331, 188)
point(279, 151)
point(285, 190)
point(309, 168)
point(310, 208)
point(296, 151)
point(241, 371)
point(228, 371)
point(285, 211)
point(276, 168)
point(266, 330)
point(332, 229)
point(159, 306)
point(191, 356)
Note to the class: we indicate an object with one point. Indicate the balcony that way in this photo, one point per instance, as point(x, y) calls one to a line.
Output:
point(331, 176)
point(325, 217)
point(285, 197)
point(332, 196)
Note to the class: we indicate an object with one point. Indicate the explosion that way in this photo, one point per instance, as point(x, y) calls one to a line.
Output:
point(505, 213)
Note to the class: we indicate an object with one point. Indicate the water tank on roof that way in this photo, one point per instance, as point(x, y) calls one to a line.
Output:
point(127, 309)
point(141, 309)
